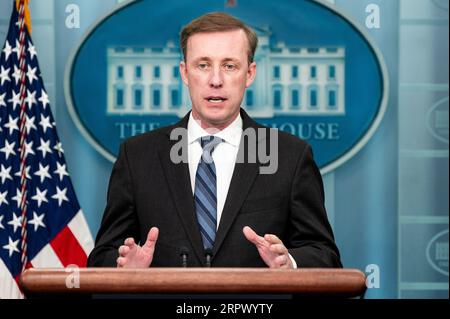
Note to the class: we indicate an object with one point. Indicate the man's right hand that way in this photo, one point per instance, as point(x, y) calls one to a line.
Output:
point(131, 255)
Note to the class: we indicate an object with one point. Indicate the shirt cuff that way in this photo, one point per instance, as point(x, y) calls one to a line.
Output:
point(293, 261)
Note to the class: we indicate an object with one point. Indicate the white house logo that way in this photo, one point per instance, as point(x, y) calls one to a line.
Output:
point(437, 252)
point(324, 82)
point(145, 80)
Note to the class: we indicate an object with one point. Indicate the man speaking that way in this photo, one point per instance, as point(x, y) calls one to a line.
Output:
point(215, 208)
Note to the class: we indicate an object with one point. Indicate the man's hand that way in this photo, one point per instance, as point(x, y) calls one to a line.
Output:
point(131, 255)
point(270, 248)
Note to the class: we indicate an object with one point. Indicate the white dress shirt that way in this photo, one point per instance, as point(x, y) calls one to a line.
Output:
point(224, 156)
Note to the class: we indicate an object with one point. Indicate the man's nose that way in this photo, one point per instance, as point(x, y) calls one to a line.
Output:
point(216, 78)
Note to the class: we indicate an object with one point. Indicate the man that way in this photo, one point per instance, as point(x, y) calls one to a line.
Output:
point(215, 210)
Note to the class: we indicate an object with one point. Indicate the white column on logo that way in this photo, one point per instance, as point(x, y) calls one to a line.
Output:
point(129, 80)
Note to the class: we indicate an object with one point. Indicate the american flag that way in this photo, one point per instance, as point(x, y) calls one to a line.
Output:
point(41, 223)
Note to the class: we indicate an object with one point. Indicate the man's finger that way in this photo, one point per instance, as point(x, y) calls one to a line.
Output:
point(278, 249)
point(273, 239)
point(121, 261)
point(129, 241)
point(253, 237)
point(123, 250)
point(152, 237)
point(281, 260)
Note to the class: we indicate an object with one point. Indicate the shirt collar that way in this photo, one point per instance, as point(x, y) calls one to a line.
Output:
point(231, 134)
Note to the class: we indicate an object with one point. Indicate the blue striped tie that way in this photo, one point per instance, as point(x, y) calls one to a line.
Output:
point(205, 192)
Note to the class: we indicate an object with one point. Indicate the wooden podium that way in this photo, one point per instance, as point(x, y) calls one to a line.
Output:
point(345, 283)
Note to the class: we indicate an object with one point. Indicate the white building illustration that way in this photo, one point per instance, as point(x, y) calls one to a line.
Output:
point(291, 80)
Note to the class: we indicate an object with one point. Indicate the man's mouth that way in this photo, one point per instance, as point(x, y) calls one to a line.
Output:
point(216, 99)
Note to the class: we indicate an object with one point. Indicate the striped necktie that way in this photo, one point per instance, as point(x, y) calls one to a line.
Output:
point(205, 193)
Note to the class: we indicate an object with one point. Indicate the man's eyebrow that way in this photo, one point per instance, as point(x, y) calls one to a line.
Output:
point(231, 60)
point(202, 58)
point(205, 58)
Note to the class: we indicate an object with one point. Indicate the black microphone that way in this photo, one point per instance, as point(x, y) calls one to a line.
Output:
point(208, 255)
point(184, 253)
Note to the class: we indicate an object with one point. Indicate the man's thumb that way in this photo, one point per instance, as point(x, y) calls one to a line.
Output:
point(250, 235)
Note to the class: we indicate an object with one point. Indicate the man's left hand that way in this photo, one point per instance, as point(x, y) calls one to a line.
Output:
point(270, 248)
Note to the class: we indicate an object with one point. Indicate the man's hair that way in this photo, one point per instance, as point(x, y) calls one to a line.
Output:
point(218, 22)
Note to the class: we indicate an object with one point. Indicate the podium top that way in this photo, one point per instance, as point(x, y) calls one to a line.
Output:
point(322, 282)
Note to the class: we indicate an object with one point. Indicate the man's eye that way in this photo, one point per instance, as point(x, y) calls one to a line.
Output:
point(229, 67)
point(203, 66)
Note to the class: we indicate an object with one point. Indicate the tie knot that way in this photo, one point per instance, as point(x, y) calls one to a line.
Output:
point(208, 143)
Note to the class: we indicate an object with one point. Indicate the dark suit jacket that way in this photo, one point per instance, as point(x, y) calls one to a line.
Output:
point(147, 189)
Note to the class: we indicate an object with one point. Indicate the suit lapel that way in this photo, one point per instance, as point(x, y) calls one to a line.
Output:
point(179, 182)
point(241, 182)
point(244, 175)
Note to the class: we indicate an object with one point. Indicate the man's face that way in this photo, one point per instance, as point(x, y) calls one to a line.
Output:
point(217, 73)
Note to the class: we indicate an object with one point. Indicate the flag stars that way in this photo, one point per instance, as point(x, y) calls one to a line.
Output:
point(5, 173)
point(12, 124)
point(2, 100)
point(27, 173)
point(31, 50)
point(58, 148)
point(12, 246)
point(45, 123)
point(61, 171)
point(43, 172)
point(18, 197)
point(37, 221)
point(29, 149)
point(30, 99)
point(8, 149)
point(7, 50)
point(29, 124)
point(31, 74)
point(3, 197)
point(15, 100)
point(17, 74)
point(17, 49)
point(45, 147)
point(1, 224)
point(4, 75)
point(60, 195)
point(44, 99)
point(40, 196)
point(16, 222)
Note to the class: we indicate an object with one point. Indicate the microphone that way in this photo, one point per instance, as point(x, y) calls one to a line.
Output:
point(208, 255)
point(184, 253)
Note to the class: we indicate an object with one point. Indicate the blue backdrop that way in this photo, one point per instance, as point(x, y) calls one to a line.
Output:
point(388, 204)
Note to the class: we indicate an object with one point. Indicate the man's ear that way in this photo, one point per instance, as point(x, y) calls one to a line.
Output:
point(183, 72)
point(251, 73)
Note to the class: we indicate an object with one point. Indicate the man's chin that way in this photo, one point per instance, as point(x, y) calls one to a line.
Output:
point(218, 119)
